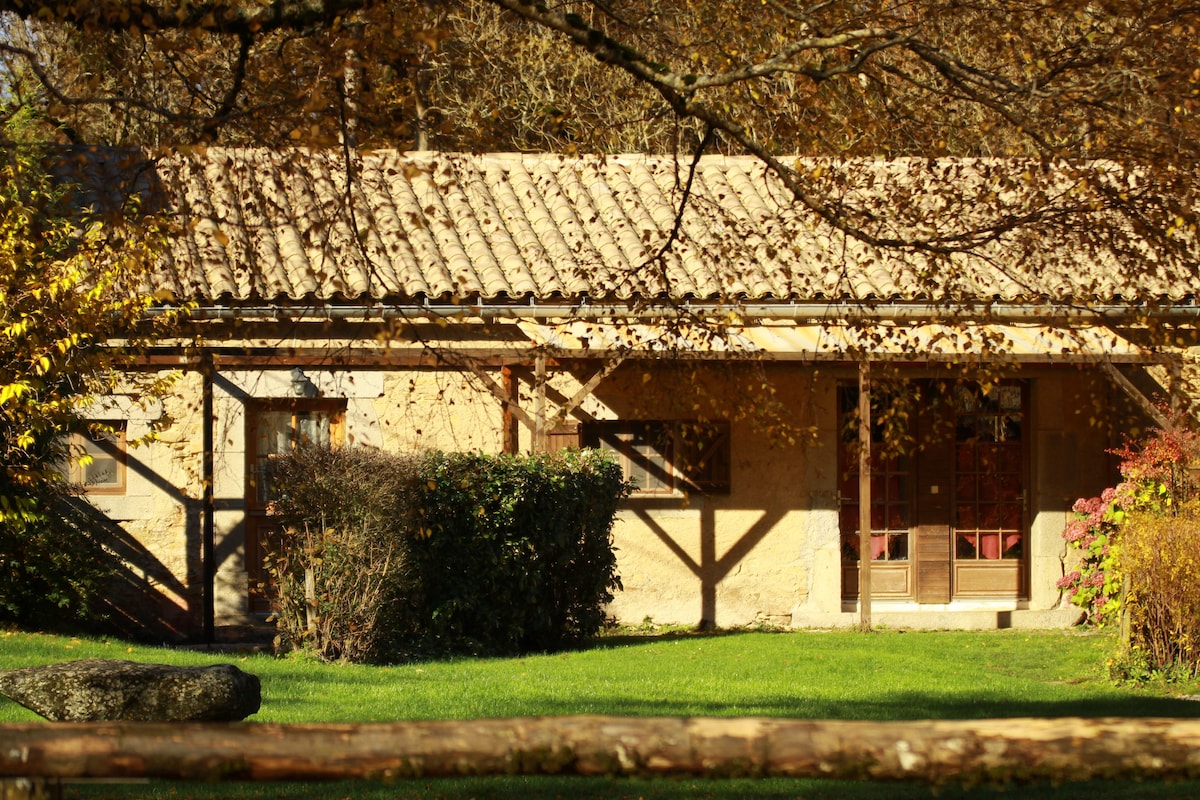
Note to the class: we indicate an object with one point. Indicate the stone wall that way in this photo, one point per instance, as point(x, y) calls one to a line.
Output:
point(768, 551)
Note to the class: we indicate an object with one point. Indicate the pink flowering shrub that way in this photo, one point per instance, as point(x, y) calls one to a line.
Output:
point(1139, 555)
point(1156, 479)
point(1095, 585)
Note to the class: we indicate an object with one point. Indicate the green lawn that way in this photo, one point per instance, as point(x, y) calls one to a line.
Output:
point(845, 675)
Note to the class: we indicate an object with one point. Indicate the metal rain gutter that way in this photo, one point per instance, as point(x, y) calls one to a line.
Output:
point(737, 313)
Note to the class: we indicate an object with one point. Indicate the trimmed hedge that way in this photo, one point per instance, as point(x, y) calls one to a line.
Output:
point(515, 553)
point(447, 554)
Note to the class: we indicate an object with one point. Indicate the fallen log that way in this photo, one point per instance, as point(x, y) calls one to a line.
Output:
point(1067, 749)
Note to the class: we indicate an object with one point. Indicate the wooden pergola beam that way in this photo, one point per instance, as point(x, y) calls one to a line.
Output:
point(585, 391)
point(503, 395)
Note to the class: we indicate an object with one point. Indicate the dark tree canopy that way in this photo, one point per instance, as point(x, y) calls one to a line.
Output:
point(1073, 83)
point(928, 77)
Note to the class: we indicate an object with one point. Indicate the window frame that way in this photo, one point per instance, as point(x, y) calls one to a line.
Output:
point(86, 442)
point(335, 408)
point(684, 462)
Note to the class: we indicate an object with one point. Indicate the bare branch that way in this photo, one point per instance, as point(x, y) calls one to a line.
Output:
point(212, 128)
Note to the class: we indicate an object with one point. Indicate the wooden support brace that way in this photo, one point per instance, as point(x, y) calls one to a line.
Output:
point(585, 391)
point(540, 430)
point(1148, 408)
point(503, 396)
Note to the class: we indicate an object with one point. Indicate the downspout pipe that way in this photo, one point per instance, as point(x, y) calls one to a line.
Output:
point(740, 312)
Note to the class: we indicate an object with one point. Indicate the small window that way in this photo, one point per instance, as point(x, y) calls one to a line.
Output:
point(278, 429)
point(661, 457)
point(97, 459)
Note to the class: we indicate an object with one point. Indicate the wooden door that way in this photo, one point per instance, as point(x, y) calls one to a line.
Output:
point(275, 428)
point(991, 462)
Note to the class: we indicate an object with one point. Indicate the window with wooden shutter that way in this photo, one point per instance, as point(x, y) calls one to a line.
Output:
point(702, 455)
point(665, 457)
point(97, 459)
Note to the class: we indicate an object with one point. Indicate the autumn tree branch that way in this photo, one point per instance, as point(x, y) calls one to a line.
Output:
point(238, 18)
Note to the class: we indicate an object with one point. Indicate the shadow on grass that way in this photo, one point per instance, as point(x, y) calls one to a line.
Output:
point(898, 705)
point(903, 706)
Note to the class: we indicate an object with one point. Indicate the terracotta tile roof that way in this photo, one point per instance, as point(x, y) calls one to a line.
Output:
point(270, 226)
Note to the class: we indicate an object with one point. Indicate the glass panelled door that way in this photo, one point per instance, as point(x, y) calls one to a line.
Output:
point(990, 537)
point(276, 430)
point(891, 509)
point(948, 516)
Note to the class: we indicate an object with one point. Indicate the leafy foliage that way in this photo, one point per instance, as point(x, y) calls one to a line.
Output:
point(341, 562)
point(515, 553)
point(1159, 557)
point(1094, 585)
point(1140, 558)
point(450, 553)
point(71, 302)
point(929, 77)
point(53, 568)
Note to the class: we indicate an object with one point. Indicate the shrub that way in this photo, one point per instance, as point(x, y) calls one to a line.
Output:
point(53, 570)
point(1158, 557)
point(1139, 558)
point(515, 553)
point(385, 557)
point(1094, 585)
point(343, 587)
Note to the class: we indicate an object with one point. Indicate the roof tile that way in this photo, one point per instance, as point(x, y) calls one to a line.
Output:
point(260, 225)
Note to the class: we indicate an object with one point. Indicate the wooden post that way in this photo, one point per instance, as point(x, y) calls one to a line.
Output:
point(310, 600)
point(208, 559)
point(540, 433)
point(508, 380)
point(864, 495)
point(1175, 388)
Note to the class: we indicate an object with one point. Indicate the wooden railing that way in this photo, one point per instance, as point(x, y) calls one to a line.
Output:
point(1065, 749)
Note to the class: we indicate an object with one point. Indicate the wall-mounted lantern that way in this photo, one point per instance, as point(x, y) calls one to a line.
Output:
point(302, 386)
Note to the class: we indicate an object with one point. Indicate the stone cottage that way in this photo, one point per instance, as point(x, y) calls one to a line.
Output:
point(719, 337)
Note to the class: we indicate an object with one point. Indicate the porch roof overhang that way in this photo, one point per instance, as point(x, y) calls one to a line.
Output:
point(1021, 342)
point(784, 331)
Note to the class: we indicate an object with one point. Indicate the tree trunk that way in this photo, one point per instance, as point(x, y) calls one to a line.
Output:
point(927, 751)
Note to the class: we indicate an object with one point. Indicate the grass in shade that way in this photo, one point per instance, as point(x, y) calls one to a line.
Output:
point(886, 675)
